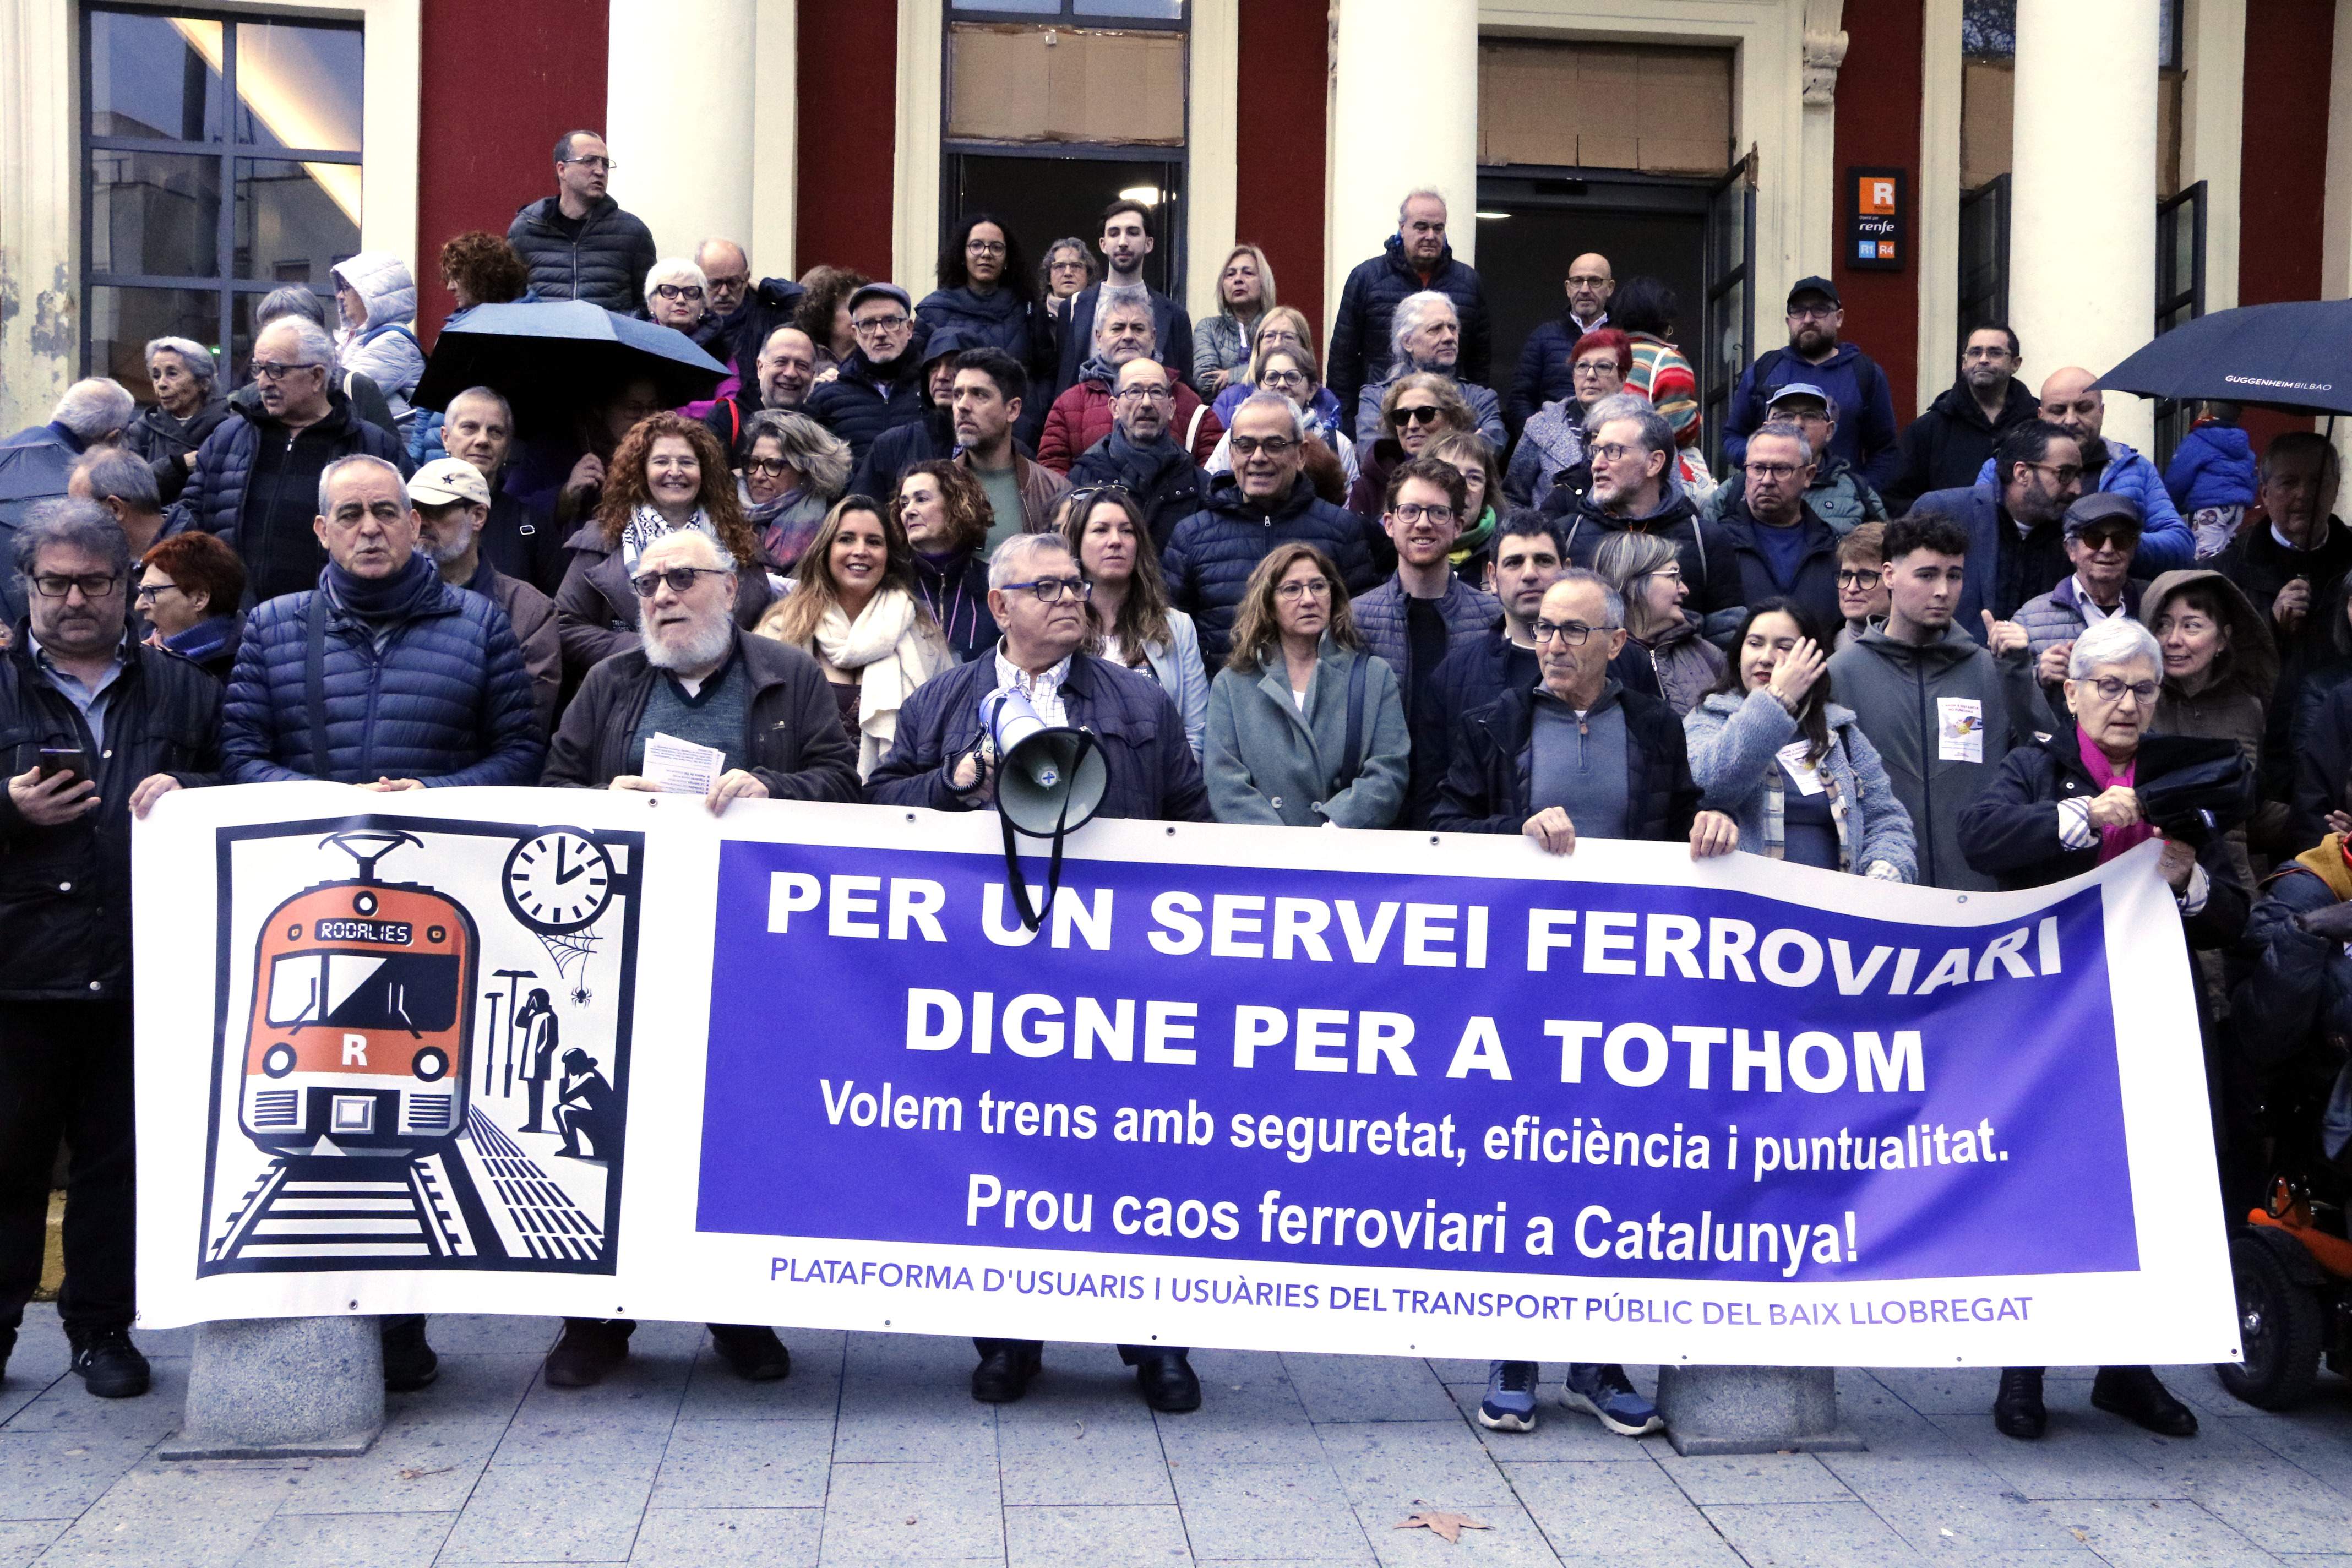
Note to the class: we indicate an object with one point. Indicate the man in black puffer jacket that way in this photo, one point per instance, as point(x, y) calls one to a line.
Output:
point(255, 479)
point(1413, 258)
point(578, 243)
point(1943, 447)
point(141, 722)
point(880, 384)
point(1263, 502)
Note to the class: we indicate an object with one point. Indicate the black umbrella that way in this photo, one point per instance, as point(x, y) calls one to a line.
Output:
point(2296, 357)
point(554, 358)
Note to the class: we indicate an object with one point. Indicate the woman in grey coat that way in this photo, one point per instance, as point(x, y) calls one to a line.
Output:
point(1792, 768)
point(1306, 728)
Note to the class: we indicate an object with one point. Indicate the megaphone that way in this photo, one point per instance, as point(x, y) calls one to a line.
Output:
point(1050, 780)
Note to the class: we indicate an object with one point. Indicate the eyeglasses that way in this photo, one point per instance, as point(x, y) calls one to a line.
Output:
point(679, 290)
point(1156, 393)
point(1418, 413)
point(1052, 590)
point(2065, 473)
point(1282, 378)
point(148, 592)
point(874, 325)
point(1413, 511)
point(1595, 367)
point(719, 284)
point(271, 370)
point(1572, 633)
point(2110, 689)
point(1305, 588)
point(1672, 571)
point(679, 578)
point(1272, 446)
point(1811, 313)
point(769, 468)
point(1065, 264)
point(1588, 280)
point(93, 585)
point(1613, 452)
point(986, 248)
point(1773, 471)
point(1849, 578)
point(604, 164)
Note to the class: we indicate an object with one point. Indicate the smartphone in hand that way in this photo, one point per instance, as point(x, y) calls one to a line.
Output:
point(56, 760)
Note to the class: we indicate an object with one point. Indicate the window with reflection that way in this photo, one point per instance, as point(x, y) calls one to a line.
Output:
point(221, 160)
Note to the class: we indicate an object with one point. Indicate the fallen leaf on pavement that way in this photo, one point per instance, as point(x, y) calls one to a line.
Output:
point(415, 1474)
point(1446, 1526)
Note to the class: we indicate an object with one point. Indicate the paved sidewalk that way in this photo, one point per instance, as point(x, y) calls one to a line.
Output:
point(872, 1453)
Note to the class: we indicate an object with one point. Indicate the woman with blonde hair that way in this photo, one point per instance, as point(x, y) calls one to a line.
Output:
point(853, 608)
point(794, 470)
point(668, 474)
point(1663, 656)
point(1128, 606)
point(1305, 727)
point(1481, 467)
point(1281, 327)
point(1415, 411)
point(1222, 344)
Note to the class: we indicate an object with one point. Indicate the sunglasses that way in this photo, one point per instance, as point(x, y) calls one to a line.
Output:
point(1420, 413)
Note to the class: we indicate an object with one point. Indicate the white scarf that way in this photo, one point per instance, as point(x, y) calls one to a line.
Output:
point(647, 525)
point(892, 660)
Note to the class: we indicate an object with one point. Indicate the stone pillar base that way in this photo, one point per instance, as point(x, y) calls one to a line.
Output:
point(282, 1388)
point(1753, 1410)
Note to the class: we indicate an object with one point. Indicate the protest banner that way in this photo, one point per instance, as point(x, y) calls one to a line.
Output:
point(602, 1054)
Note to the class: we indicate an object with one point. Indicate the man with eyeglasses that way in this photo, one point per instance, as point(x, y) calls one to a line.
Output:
point(1084, 413)
point(1868, 438)
point(255, 479)
point(1416, 258)
point(1546, 359)
point(2014, 517)
point(2289, 566)
point(578, 244)
point(1268, 501)
point(1837, 495)
point(880, 384)
point(102, 726)
point(2071, 400)
point(781, 375)
point(1127, 241)
point(1425, 610)
point(764, 707)
point(2101, 534)
point(1942, 699)
point(1632, 450)
point(1139, 455)
point(926, 437)
point(943, 758)
point(1780, 545)
point(745, 315)
point(1945, 446)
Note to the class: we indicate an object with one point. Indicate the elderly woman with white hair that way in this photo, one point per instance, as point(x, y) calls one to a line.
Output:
point(794, 470)
point(1425, 335)
point(189, 406)
point(2074, 801)
point(678, 296)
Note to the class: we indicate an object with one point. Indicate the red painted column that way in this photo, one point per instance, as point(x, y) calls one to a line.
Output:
point(1285, 46)
point(1878, 92)
point(492, 105)
point(848, 107)
point(2282, 168)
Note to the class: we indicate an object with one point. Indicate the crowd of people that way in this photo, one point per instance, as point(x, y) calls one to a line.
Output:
point(1365, 590)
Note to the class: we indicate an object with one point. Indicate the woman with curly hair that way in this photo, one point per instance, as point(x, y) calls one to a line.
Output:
point(669, 473)
point(1305, 727)
point(987, 295)
point(823, 313)
point(1111, 541)
point(853, 608)
point(945, 515)
point(477, 268)
point(1415, 410)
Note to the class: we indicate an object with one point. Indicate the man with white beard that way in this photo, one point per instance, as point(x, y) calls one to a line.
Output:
point(760, 717)
point(452, 507)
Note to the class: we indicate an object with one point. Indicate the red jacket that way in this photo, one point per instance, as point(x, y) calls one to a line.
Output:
point(1081, 417)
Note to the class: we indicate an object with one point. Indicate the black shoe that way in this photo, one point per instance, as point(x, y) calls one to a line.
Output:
point(1168, 1384)
point(2135, 1393)
point(1002, 1375)
point(590, 1348)
point(409, 1362)
point(2017, 1409)
point(109, 1366)
point(753, 1355)
point(7, 1348)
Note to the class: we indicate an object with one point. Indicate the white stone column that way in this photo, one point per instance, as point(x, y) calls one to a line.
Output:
point(2336, 234)
point(1936, 205)
point(40, 333)
point(1821, 188)
point(1387, 139)
point(2212, 133)
point(2082, 247)
point(775, 141)
point(680, 117)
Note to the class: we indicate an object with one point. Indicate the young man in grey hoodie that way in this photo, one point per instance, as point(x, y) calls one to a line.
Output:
point(1942, 708)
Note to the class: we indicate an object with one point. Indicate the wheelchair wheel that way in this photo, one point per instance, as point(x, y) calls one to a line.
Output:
point(2281, 1324)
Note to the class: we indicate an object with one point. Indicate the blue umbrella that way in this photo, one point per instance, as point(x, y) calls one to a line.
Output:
point(554, 358)
point(2295, 356)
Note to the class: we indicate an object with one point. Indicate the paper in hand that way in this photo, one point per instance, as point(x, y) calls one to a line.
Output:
point(681, 767)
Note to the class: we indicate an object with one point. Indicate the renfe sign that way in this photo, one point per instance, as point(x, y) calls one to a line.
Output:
point(1875, 208)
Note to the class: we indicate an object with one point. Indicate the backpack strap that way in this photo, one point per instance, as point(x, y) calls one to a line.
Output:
point(1193, 430)
point(314, 682)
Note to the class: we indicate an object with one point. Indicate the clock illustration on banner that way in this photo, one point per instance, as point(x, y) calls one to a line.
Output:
point(559, 881)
